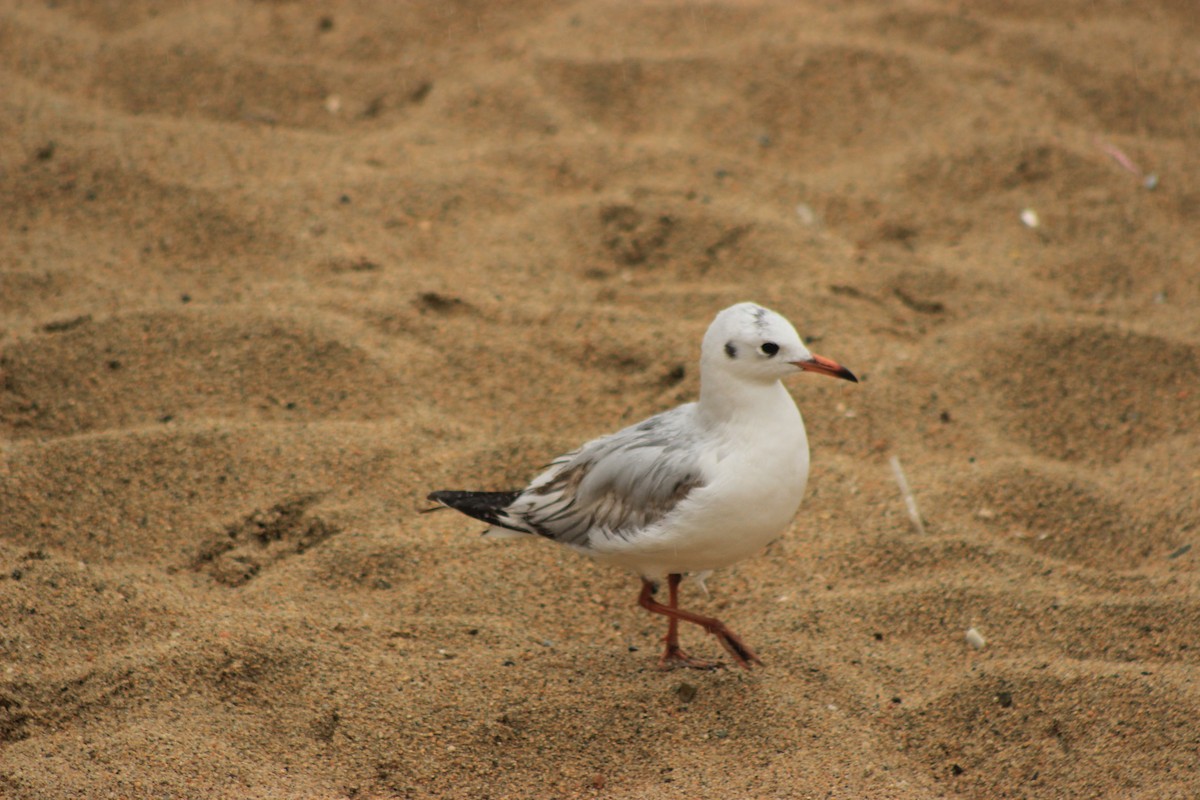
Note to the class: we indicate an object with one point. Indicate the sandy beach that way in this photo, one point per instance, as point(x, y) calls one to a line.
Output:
point(270, 272)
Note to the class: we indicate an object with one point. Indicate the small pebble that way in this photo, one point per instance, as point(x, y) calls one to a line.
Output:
point(975, 639)
point(686, 692)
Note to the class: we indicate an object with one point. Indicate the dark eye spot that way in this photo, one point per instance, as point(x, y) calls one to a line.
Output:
point(769, 349)
point(730, 350)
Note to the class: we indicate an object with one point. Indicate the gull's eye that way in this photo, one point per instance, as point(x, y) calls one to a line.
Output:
point(769, 349)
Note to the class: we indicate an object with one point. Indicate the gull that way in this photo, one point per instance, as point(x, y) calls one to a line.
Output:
point(686, 491)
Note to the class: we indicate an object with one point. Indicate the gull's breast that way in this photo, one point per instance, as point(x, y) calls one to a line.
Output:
point(750, 499)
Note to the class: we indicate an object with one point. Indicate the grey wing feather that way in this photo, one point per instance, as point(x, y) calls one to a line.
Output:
point(614, 486)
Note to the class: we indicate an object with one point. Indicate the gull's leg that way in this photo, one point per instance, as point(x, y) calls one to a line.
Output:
point(673, 652)
point(673, 655)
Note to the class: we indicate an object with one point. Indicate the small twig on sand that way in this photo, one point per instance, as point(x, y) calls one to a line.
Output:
point(1126, 163)
point(910, 502)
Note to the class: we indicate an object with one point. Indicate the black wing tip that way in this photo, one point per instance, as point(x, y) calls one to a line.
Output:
point(485, 506)
point(449, 497)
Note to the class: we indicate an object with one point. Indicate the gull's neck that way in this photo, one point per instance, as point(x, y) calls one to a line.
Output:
point(732, 401)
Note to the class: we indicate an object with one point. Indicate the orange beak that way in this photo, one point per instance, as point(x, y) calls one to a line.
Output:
point(826, 366)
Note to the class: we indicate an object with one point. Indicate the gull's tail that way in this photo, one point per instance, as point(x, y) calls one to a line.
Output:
point(486, 506)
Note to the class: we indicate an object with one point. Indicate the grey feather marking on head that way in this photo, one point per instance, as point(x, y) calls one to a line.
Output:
point(760, 318)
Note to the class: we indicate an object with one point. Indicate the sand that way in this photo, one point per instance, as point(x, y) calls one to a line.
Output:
point(272, 271)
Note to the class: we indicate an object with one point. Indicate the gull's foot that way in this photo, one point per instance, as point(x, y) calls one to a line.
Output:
point(674, 658)
point(741, 652)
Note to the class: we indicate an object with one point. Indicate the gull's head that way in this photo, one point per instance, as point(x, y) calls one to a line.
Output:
point(758, 345)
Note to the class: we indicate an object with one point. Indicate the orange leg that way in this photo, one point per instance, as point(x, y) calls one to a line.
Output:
point(674, 656)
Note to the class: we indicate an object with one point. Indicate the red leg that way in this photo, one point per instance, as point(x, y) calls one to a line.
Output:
point(674, 656)
point(672, 637)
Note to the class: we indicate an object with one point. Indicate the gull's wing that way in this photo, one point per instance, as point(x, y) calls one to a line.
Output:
point(615, 486)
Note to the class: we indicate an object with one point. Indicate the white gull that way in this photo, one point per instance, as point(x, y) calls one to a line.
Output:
point(701, 486)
